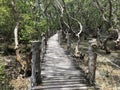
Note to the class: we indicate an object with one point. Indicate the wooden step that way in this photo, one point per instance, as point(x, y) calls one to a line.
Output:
point(72, 88)
point(65, 76)
point(61, 87)
point(61, 83)
point(63, 80)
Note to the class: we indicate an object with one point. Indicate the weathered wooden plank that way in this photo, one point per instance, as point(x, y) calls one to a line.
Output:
point(63, 80)
point(58, 71)
point(62, 87)
point(61, 83)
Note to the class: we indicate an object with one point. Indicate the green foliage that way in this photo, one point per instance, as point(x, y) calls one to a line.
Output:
point(1, 71)
point(37, 16)
point(26, 33)
point(3, 13)
point(43, 25)
point(6, 22)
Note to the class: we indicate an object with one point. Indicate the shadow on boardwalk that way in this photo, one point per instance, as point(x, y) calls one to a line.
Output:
point(58, 71)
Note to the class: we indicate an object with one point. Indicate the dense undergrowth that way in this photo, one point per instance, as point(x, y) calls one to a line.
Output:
point(4, 79)
point(11, 75)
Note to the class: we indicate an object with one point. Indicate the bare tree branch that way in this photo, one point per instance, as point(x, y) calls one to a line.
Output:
point(80, 26)
point(101, 10)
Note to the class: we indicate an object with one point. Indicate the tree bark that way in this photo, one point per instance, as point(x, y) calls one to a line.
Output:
point(92, 57)
point(16, 35)
point(77, 52)
point(110, 13)
point(18, 57)
point(117, 42)
point(105, 45)
point(15, 12)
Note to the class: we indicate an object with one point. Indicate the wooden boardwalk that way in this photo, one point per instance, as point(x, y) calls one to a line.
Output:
point(58, 71)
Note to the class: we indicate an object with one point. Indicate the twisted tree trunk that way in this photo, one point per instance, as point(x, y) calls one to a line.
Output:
point(16, 16)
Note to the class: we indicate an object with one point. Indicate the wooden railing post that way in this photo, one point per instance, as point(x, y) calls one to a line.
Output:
point(48, 33)
point(92, 57)
point(36, 68)
point(43, 46)
point(46, 38)
point(68, 42)
point(60, 36)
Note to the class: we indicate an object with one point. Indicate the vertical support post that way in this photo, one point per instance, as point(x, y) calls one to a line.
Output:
point(43, 47)
point(68, 42)
point(46, 38)
point(59, 36)
point(48, 33)
point(92, 56)
point(52, 32)
point(36, 68)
